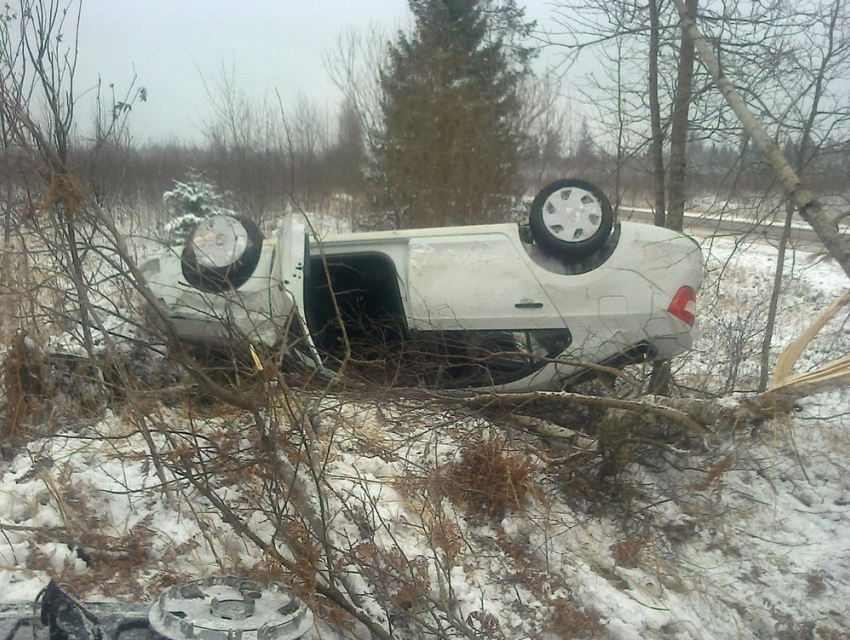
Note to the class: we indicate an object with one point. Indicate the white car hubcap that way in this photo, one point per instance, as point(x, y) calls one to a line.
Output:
point(572, 214)
point(219, 241)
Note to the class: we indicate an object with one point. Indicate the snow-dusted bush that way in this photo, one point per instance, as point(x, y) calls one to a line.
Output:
point(189, 203)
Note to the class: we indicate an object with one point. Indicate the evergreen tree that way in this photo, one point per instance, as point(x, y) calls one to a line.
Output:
point(451, 147)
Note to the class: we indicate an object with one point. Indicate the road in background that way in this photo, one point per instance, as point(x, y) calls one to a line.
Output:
point(803, 238)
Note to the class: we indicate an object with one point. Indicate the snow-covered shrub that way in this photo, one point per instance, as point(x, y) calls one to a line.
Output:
point(189, 203)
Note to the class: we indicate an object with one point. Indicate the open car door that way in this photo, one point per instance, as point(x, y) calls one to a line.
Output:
point(292, 262)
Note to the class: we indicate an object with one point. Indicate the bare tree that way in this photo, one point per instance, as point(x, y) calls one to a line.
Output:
point(657, 144)
point(680, 129)
point(243, 139)
point(809, 207)
point(355, 67)
point(823, 36)
point(350, 152)
point(773, 52)
point(309, 139)
point(546, 121)
point(41, 70)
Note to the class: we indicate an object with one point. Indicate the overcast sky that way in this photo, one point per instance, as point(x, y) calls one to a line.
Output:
point(173, 45)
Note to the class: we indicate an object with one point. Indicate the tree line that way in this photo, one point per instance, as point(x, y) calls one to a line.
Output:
point(448, 123)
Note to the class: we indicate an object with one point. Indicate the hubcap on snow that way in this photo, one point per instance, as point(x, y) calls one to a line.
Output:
point(229, 608)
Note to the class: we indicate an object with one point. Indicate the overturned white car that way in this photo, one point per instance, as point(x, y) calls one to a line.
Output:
point(503, 306)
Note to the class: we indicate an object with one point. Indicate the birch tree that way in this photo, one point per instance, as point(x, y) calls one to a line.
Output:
point(806, 203)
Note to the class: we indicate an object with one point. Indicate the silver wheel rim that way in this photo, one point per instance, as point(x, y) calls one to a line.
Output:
point(572, 214)
point(219, 242)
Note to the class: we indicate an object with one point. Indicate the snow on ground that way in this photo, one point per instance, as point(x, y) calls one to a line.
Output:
point(745, 537)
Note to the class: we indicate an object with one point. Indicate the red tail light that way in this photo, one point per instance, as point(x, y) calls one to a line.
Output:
point(684, 305)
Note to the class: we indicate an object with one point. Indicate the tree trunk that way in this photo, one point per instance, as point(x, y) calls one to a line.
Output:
point(674, 216)
point(764, 366)
point(802, 159)
point(680, 127)
point(807, 204)
point(657, 150)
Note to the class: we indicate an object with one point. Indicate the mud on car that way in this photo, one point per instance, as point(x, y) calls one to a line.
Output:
point(501, 306)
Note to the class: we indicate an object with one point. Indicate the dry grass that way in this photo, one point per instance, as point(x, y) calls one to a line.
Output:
point(25, 383)
point(569, 620)
point(490, 480)
point(113, 556)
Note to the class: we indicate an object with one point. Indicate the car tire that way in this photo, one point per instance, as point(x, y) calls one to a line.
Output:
point(222, 253)
point(571, 218)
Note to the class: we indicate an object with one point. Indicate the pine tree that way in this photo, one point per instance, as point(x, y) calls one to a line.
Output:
point(450, 150)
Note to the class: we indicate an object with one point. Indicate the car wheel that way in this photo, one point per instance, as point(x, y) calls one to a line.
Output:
point(222, 253)
point(571, 218)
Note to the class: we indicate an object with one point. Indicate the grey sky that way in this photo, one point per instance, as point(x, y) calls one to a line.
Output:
point(172, 45)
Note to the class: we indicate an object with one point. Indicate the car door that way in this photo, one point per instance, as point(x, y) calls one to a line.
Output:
point(475, 281)
point(292, 266)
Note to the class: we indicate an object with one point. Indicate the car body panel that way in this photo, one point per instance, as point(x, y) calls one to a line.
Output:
point(200, 317)
point(443, 298)
point(459, 281)
point(486, 278)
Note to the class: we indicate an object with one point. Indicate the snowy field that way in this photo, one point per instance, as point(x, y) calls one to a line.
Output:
point(745, 536)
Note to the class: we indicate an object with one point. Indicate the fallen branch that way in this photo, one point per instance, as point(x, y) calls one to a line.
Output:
point(545, 428)
point(645, 405)
point(835, 375)
point(785, 387)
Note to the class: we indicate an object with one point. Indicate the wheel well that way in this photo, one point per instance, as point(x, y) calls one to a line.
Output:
point(571, 267)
